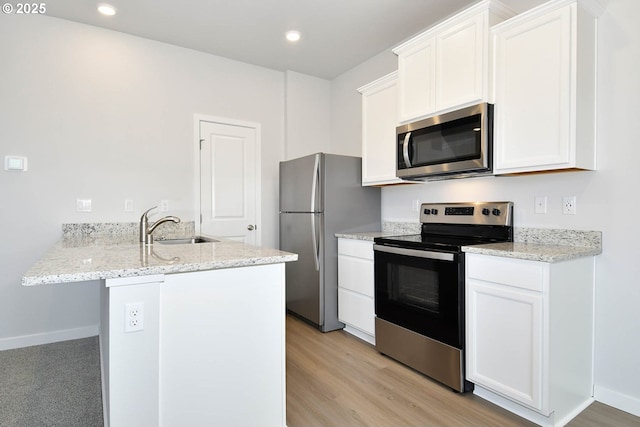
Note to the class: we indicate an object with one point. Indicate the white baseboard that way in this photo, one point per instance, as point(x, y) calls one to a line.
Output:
point(531, 415)
point(48, 337)
point(360, 334)
point(618, 400)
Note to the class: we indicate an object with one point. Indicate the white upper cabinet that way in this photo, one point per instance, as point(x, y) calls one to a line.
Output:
point(379, 121)
point(544, 83)
point(461, 63)
point(447, 66)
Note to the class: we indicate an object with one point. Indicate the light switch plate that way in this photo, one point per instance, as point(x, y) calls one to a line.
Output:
point(83, 205)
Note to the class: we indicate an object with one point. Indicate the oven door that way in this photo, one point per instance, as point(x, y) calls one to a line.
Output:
point(422, 291)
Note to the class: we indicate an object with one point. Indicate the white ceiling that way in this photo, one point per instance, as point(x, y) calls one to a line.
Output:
point(336, 34)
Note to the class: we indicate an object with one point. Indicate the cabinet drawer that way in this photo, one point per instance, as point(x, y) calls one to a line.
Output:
point(355, 274)
point(507, 271)
point(356, 248)
point(356, 310)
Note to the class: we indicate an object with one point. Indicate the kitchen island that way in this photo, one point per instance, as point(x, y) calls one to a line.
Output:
point(190, 334)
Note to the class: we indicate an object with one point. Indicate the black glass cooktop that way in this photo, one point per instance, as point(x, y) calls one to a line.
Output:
point(448, 237)
point(448, 243)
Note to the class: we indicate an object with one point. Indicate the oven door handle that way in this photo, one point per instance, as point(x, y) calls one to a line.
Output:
point(416, 253)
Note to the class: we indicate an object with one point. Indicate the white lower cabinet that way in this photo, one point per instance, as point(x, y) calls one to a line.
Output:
point(529, 335)
point(210, 352)
point(355, 288)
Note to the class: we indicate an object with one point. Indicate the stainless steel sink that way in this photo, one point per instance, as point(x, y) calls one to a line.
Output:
point(186, 240)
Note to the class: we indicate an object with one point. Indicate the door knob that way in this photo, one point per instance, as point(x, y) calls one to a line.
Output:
point(250, 227)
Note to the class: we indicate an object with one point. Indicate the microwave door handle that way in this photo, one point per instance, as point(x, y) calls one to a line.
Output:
point(405, 149)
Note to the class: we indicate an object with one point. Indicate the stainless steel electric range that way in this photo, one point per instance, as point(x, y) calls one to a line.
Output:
point(420, 286)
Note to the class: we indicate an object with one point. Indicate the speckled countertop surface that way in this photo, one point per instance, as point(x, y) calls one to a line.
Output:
point(533, 251)
point(365, 235)
point(544, 244)
point(77, 258)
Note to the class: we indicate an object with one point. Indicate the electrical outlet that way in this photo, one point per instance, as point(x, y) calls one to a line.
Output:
point(134, 317)
point(164, 206)
point(540, 204)
point(415, 205)
point(569, 205)
point(128, 205)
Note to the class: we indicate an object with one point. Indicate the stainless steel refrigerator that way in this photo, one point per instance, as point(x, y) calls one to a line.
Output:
point(321, 195)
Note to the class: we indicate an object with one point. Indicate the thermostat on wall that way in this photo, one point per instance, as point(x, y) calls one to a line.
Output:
point(15, 163)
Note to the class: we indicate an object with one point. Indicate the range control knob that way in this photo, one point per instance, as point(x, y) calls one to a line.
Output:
point(485, 211)
point(427, 211)
point(434, 211)
point(496, 212)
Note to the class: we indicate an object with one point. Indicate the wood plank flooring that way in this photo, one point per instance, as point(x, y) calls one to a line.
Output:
point(335, 379)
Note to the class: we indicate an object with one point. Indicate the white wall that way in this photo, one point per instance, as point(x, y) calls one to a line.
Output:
point(346, 102)
point(308, 120)
point(606, 199)
point(107, 116)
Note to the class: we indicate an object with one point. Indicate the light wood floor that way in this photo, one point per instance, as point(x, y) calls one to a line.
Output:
point(337, 380)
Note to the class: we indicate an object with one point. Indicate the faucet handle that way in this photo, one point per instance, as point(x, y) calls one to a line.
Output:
point(144, 215)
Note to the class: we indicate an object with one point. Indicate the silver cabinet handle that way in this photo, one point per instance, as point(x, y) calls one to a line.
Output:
point(251, 227)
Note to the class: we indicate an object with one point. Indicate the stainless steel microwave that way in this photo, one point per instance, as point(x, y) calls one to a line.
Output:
point(455, 144)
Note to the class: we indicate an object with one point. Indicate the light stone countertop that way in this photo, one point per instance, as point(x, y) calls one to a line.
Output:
point(544, 244)
point(365, 235)
point(78, 258)
point(533, 251)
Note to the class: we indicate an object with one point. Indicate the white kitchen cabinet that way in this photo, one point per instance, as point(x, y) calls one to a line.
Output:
point(545, 87)
point(356, 307)
point(447, 66)
point(379, 121)
point(529, 335)
point(212, 345)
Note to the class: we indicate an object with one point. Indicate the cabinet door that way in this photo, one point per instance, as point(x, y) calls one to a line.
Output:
point(356, 310)
point(460, 63)
point(533, 94)
point(416, 81)
point(355, 284)
point(504, 341)
point(355, 266)
point(379, 121)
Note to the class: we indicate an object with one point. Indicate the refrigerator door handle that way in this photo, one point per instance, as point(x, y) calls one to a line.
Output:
point(315, 241)
point(314, 185)
point(314, 232)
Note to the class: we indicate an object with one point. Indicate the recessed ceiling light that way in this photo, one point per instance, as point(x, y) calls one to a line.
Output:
point(293, 36)
point(106, 9)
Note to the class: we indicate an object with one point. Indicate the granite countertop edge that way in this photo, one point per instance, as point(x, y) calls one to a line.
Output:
point(81, 259)
point(550, 253)
point(365, 235)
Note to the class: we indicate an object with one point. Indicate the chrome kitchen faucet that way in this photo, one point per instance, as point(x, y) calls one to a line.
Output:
point(146, 231)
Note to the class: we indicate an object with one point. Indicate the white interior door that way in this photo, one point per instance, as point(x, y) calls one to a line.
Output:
point(229, 181)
